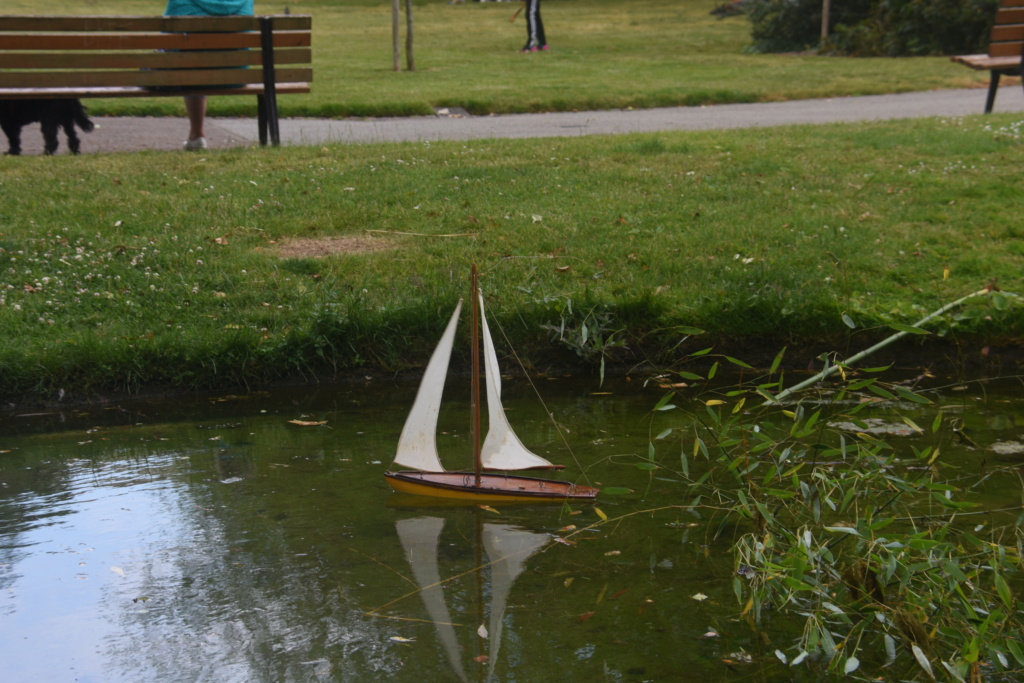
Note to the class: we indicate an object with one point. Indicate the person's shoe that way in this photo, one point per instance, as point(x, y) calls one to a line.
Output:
point(526, 50)
point(194, 145)
point(545, 48)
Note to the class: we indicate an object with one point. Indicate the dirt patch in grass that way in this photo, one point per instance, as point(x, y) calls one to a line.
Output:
point(318, 247)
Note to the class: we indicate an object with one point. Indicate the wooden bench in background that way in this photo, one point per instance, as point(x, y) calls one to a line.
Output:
point(109, 56)
point(1005, 50)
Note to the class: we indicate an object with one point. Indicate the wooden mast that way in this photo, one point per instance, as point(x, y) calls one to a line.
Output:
point(475, 336)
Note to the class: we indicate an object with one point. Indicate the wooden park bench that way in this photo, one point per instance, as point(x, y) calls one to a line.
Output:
point(1005, 49)
point(58, 57)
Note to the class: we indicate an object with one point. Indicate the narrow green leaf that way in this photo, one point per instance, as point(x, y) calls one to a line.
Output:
point(1004, 591)
point(911, 396)
point(879, 391)
point(1014, 647)
point(713, 371)
point(616, 491)
point(665, 433)
point(849, 322)
point(684, 329)
point(660, 405)
point(702, 352)
point(777, 361)
point(910, 329)
point(646, 466)
point(953, 672)
point(843, 530)
point(693, 377)
point(922, 659)
point(851, 665)
point(736, 361)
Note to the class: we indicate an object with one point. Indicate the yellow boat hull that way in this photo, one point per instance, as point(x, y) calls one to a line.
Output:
point(491, 487)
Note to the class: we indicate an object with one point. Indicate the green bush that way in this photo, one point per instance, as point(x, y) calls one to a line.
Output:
point(795, 25)
point(889, 28)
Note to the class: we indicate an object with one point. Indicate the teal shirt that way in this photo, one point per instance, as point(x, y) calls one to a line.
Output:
point(188, 8)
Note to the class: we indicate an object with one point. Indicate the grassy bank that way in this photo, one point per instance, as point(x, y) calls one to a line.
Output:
point(605, 54)
point(130, 271)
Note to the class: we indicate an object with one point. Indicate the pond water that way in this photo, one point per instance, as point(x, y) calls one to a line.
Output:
point(216, 540)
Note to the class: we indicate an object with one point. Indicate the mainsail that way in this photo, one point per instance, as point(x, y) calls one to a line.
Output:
point(502, 449)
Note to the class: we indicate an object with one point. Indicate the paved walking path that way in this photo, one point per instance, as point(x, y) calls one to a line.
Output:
point(140, 133)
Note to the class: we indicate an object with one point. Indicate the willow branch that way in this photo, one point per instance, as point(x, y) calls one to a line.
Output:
point(832, 369)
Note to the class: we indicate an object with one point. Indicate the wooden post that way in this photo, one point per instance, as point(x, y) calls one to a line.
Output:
point(396, 50)
point(410, 63)
point(826, 6)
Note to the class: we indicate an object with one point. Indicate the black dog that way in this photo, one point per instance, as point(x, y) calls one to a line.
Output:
point(52, 114)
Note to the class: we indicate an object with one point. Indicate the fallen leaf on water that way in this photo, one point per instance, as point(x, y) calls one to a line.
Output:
point(556, 539)
point(700, 597)
point(571, 527)
point(306, 423)
point(482, 631)
point(601, 514)
point(710, 634)
point(118, 571)
point(488, 508)
point(618, 594)
point(568, 582)
point(613, 553)
point(585, 616)
point(480, 659)
point(401, 639)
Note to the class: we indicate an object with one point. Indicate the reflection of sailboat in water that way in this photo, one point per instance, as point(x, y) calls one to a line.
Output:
point(507, 548)
point(501, 449)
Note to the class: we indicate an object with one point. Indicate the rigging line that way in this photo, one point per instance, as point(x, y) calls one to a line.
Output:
point(554, 423)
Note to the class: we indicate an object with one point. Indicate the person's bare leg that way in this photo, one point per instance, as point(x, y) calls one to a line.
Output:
point(195, 107)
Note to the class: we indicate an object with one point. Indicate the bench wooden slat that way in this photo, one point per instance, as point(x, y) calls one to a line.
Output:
point(135, 91)
point(1013, 15)
point(120, 24)
point(148, 60)
point(1006, 50)
point(987, 63)
point(156, 78)
point(150, 41)
point(1007, 33)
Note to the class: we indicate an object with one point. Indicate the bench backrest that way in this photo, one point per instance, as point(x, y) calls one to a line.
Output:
point(1007, 39)
point(112, 51)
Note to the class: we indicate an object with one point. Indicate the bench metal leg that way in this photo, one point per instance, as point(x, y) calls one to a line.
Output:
point(993, 88)
point(261, 118)
point(269, 100)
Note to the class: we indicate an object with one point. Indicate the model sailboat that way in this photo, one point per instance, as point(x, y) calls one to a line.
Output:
point(501, 449)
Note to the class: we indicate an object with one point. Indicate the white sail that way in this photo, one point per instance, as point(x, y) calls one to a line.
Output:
point(419, 538)
point(507, 548)
point(502, 449)
point(417, 447)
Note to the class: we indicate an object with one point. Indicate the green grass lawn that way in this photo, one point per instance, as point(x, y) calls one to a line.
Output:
point(128, 271)
point(605, 54)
